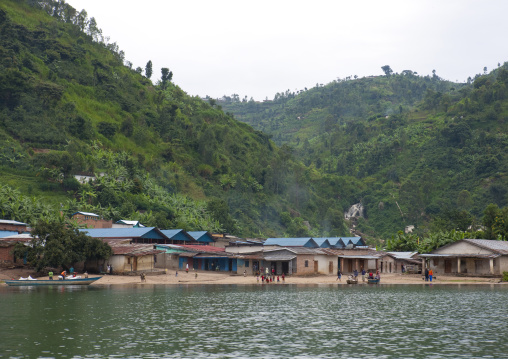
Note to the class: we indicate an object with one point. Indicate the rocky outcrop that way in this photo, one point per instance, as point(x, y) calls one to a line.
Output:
point(355, 211)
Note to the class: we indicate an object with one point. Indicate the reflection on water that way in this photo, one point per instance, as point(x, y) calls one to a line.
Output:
point(274, 321)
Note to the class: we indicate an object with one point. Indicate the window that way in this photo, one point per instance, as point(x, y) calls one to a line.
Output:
point(306, 263)
point(246, 264)
point(436, 262)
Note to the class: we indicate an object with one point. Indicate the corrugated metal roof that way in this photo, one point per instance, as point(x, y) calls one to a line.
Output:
point(359, 257)
point(130, 223)
point(201, 236)
point(403, 255)
point(202, 248)
point(120, 232)
point(279, 257)
point(465, 255)
point(500, 247)
point(171, 232)
point(322, 242)
point(134, 250)
point(212, 255)
point(86, 214)
point(8, 221)
point(291, 242)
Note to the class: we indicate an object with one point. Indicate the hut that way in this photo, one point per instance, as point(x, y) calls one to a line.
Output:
point(474, 257)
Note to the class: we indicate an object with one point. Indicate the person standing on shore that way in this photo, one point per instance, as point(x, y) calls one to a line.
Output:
point(339, 276)
point(50, 274)
point(426, 274)
point(283, 278)
point(363, 275)
point(355, 274)
point(431, 273)
point(187, 268)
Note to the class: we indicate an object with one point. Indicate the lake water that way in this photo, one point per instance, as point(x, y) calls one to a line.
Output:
point(263, 321)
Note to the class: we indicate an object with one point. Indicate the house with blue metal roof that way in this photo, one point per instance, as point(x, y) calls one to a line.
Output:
point(336, 242)
point(354, 241)
point(291, 242)
point(133, 235)
point(178, 236)
point(322, 242)
point(202, 237)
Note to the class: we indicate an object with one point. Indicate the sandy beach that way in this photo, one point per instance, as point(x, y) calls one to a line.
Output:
point(204, 278)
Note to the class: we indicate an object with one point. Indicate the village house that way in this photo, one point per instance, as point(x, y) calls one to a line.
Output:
point(7, 244)
point(196, 256)
point(123, 223)
point(409, 260)
point(473, 257)
point(290, 242)
point(147, 235)
point(13, 226)
point(178, 236)
point(131, 258)
point(358, 258)
point(91, 220)
point(202, 237)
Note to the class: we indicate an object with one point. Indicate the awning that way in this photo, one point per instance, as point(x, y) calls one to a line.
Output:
point(465, 255)
point(358, 257)
point(213, 256)
point(281, 258)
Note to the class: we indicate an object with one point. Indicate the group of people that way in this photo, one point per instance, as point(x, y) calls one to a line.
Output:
point(429, 273)
point(271, 279)
point(355, 275)
point(63, 275)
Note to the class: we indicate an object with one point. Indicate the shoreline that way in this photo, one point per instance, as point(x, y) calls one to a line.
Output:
point(213, 278)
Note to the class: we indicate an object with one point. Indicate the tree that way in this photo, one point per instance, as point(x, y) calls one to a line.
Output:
point(166, 77)
point(219, 210)
point(54, 244)
point(387, 70)
point(148, 69)
point(489, 220)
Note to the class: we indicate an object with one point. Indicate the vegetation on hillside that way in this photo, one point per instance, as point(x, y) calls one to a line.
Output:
point(420, 151)
point(70, 104)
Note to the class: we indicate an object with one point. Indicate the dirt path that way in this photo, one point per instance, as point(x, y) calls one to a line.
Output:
point(204, 277)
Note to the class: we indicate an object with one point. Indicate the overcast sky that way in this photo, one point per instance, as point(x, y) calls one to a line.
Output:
point(259, 48)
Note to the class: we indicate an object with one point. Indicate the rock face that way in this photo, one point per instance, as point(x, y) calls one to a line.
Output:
point(355, 211)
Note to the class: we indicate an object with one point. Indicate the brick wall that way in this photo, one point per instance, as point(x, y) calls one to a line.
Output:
point(301, 269)
point(5, 255)
point(12, 227)
point(92, 222)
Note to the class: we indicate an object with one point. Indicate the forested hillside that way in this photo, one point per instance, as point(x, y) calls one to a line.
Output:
point(411, 150)
point(423, 151)
point(71, 104)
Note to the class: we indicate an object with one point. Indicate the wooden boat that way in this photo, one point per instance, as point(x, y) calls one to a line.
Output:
point(373, 280)
point(352, 281)
point(32, 282)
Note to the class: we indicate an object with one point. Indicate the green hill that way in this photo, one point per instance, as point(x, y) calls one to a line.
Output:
point(412, 150)
point(422, 151)
point(69, 105)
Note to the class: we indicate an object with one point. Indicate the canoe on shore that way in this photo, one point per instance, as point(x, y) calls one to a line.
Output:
point(27, 282)
point(352, 281)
